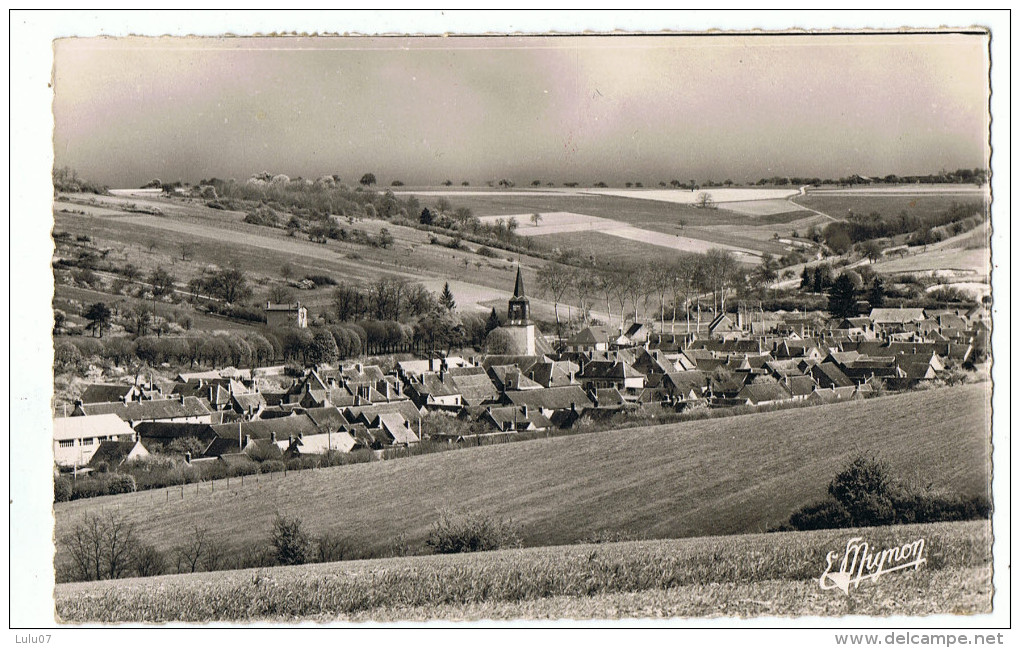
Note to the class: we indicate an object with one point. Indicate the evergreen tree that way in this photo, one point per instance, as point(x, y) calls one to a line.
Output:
point(426, 217)
point(446, 299)
point(806, 280)
point(492, 322)
point(877, 295)
point(843, 298)
point(823, 278)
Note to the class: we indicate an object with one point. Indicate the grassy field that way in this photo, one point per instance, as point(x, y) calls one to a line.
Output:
point(631, 211)
point(888, 205)
point(723, 476)
point(959, 261)
point(748, 575)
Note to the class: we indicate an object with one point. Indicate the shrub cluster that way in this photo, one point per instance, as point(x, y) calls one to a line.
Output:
point(92, 485)
point(863, 494)
point(453, 533)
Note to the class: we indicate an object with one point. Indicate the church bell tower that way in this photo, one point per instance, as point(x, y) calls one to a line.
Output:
point(518, 317)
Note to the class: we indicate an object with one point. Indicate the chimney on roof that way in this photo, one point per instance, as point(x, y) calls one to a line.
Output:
point(247, 440)
point(272, 437)
point(524, 410)
point(187, 456)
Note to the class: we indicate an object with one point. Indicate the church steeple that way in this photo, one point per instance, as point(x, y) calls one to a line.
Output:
point(518, 311)
point(519, 285)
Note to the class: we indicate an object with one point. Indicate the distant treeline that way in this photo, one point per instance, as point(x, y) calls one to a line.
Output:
point(960, 176)
point(66, 179)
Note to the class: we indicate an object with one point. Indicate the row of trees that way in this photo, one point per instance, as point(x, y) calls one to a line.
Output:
point(104, 546)
point(692, 281)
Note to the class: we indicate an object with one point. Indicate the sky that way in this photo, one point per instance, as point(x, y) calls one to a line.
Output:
point(557, 109)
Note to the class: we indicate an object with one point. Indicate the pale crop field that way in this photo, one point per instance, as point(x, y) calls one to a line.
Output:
point(571, 222)
point(764, 207)
point(482, 192)
point(755, 574)
point(686, 197)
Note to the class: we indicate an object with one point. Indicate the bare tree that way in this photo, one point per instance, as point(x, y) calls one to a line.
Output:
point(704, 201)
point(189, 554)
point(606, 280)
point(100, 546)
point(554, 281)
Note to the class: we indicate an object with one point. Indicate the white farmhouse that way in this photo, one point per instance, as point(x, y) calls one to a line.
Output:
point(76, 438)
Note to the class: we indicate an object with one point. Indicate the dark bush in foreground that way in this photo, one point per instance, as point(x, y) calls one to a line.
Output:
point(472, 532)
point(828, 514)
point(62, 489)
point(291, 543)
point(863, 494)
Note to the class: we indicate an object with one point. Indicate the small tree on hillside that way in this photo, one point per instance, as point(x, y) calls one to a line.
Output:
point(446, 298)
point(99, 316)
point(536, 218)
point(162, 283)
point(367, 180)
point(290, 542)
point(385, 239)
point(872, 250)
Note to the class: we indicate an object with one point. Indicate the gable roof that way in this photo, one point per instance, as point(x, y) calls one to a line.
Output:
point(168, 431)
point(103, 393)
point(608, 398)
point(283, 427)
point(610, 370)
point(589, 336)
point(510, 377)
point(327, 419)
point(554, 374)
point(150, 409)
point(83, 427)
point(763, 392)
point(475, 388)
point(552, 398)
point(342, 441)
point(113, 453)
point(827, 374)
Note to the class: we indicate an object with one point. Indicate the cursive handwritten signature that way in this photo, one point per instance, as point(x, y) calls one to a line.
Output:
point(861, 562)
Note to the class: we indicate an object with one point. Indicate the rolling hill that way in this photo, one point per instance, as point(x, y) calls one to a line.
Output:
point(723, 476)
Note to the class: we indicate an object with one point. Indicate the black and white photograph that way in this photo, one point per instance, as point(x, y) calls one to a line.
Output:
point(517, 327)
